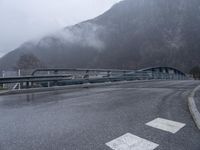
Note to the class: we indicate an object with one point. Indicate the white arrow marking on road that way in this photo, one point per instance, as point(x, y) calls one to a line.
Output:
point(131, 142)
point(166, 125)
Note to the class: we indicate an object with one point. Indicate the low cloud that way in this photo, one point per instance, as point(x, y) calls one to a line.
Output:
point(85, 34)
point(23, 20)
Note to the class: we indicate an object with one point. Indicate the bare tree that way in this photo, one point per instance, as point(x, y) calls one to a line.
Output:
point(29, 61)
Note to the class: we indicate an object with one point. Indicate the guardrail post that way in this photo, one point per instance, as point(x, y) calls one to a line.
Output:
point(48, 82)
point(3, 74)
point(19, 74)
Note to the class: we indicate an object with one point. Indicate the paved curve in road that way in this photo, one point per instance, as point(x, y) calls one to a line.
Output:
point(88, 118)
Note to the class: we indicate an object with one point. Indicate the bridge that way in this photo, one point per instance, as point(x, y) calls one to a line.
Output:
point(71, 76)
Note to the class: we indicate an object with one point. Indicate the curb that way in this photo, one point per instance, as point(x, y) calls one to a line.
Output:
point(193, 108)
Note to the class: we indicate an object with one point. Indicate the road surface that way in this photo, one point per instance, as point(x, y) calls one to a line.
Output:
point(93, 118)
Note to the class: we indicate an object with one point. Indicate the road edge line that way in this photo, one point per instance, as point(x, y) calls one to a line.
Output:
point(193, 108)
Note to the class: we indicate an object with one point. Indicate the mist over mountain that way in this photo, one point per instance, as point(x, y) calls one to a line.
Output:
point(132, 34)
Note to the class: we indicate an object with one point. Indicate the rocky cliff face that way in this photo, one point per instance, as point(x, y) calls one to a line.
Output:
point(132, 34)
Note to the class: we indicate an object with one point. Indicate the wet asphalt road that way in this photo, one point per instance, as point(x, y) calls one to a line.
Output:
point(86, 119)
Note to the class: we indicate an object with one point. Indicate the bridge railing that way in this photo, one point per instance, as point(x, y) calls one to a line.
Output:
point(62, 77)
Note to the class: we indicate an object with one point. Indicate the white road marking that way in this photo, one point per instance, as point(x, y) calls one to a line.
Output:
point(166, 125)
point(131, 142)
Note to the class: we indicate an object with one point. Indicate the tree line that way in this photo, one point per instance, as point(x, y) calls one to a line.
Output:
point(195, 72)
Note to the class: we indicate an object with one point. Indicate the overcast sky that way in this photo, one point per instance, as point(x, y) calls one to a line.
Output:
point(23, 20)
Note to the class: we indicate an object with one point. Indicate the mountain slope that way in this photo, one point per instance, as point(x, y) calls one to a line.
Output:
point(132, 34)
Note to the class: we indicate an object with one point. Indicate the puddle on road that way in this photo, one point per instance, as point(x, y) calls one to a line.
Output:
point(26, 100)
point(22, 100)
point(32, 99)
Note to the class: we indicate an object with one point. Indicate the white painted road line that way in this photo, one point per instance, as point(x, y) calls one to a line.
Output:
point(131, 142)
point(166, 125)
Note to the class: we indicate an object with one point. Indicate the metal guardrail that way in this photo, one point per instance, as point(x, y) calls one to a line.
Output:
point(57, 70)
point(52, 77)
point(33, 78)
